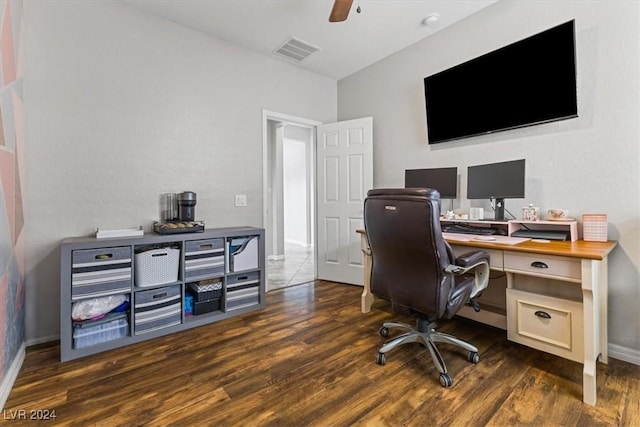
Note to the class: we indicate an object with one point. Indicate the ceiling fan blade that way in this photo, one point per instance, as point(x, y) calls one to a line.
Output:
point(340, 10)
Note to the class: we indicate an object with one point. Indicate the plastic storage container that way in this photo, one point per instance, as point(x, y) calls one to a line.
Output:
point(157, 267)
point(103, 332)
point(594, 227)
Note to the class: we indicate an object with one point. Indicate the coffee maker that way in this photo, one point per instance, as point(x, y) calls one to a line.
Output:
point(187, 205)
point(178, 206)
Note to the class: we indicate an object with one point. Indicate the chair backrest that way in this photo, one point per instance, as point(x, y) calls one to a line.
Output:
point(408, 252)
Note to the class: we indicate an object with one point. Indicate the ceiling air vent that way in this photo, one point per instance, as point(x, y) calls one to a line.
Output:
point(295, 49)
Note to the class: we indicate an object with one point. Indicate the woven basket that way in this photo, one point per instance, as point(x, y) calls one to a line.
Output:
point(157, 267)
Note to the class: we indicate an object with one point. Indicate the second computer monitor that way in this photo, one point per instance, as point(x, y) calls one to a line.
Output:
point(445, 180)
point(498, 181)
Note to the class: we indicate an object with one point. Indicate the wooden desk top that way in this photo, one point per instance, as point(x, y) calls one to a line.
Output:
point(577, 249)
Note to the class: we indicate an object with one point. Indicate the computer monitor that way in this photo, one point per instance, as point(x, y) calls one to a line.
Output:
point(498, 181)
point(445, 180)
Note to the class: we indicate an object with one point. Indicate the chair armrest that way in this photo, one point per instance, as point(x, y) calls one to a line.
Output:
point(469, 259)
point(476, 261)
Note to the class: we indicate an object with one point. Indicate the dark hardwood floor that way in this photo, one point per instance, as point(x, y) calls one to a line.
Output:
point(308, 359)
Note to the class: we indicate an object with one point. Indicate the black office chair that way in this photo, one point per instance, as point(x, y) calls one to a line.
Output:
point(415, 269)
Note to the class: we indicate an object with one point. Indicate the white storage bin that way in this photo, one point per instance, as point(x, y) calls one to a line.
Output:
point(242, 253)
point(157, 267)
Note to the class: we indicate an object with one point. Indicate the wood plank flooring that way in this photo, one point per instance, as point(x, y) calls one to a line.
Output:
point(308, 359)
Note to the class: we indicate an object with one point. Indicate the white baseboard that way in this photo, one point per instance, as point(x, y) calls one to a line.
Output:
point(625, 354)
point(275, 257)
point(7, 382)
point(298, 242)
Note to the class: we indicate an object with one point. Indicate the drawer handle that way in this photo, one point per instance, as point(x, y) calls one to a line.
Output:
point(243, 277)
point(206, 246)
point(162, 254)
point(539, 264)
point(542, 314)
point(104, 256)
point(164, 294)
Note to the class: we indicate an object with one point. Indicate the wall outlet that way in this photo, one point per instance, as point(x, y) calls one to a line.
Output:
point(241, 200)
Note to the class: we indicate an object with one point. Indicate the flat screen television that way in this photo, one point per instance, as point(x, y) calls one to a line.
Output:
point(499, 181)
point(529, 82)
point(445, 180)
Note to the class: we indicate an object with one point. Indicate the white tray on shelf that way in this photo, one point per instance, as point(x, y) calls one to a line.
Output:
point(130, 232)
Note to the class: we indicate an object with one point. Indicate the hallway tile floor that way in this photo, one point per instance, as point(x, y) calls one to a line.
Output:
point(296, 267)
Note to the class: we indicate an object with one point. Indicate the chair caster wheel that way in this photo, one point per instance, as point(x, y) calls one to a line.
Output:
point(473, 357)
point(446, 380)
point(382, 359)
point(384, 331)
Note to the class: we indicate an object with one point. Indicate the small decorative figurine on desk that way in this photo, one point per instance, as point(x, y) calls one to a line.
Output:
point(531, 213)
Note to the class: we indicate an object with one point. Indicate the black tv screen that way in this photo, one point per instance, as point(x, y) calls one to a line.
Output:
point(445, 180)
point(529, 82)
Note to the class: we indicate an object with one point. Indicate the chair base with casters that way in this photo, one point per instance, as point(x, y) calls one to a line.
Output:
point(424, 333)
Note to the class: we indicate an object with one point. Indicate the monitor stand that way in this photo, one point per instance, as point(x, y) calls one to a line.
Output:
point(499, 209)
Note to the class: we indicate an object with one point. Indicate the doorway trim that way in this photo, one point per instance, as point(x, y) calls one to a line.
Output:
point(287, 119)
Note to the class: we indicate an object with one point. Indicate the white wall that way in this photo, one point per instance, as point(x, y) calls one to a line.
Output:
point(298, 177)
point(274, 239)
point(121, 107)
point(587, 165)
point(295, 191)
point(275, 146)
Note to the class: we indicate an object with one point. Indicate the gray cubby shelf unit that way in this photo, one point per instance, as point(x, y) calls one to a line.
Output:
point(93, 267)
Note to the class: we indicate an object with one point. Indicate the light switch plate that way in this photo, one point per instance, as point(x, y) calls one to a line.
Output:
point(241, 200)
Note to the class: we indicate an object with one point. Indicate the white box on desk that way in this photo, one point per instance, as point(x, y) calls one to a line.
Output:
point(476, 213)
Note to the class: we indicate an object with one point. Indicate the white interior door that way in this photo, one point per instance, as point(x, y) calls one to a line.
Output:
point(345, 174)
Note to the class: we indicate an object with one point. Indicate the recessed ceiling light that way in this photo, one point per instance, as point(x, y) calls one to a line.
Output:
point(431, 20)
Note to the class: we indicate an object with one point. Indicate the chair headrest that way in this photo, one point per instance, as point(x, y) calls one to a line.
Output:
point(428, 193)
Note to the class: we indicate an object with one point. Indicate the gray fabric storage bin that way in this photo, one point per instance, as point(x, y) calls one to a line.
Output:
point(243, 290)
point(100, 272)
point(204, 258)
point(157, 308)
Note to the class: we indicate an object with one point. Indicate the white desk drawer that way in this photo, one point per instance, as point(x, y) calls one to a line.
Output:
point(495, 256)
point(562, 268)
point(549, 324)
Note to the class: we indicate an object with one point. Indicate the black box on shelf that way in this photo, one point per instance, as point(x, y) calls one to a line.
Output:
point(206, 290)
point(202, 307)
